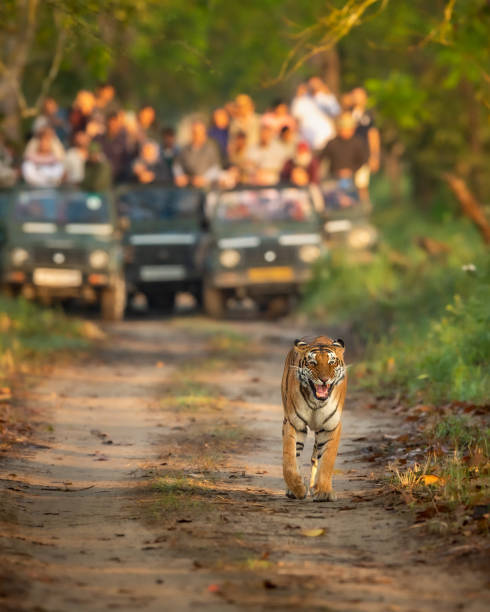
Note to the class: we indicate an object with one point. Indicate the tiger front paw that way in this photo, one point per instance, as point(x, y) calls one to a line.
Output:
point(297, 493)
point(324, 496)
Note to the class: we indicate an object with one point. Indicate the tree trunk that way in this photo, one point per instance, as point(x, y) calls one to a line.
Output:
point(328, 65)
point(331, 69)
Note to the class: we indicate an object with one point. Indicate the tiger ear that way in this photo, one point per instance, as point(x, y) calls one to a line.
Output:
point(300, 344)
point(339, 342)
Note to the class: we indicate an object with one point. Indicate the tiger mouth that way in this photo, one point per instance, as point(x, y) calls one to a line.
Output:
point(321, 392)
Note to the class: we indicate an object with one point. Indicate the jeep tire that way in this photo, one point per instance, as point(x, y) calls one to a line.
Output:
point(214, 302)
point(113, 301)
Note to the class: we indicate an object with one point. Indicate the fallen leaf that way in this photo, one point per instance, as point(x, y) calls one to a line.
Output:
point(476, 459)
point(430, 479)
point(427, 513)
point(214, 588)
point(312, 533)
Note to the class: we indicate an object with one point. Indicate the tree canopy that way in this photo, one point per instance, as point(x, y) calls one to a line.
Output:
point(426, 64)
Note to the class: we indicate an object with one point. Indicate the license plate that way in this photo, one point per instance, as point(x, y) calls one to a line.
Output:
point(340, 225)
point(264, 275)
point(160, 273)
point(49, 277)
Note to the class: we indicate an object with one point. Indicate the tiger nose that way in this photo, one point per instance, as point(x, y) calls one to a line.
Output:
point(324, 380)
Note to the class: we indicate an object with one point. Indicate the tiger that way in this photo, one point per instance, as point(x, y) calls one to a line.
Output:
point(313, 389)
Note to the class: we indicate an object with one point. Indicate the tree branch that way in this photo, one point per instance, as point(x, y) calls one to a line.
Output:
point(52, 73)
point(329, 30)
point(470, 205)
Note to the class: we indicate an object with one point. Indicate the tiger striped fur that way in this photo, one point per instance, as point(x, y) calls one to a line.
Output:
point(313, 389)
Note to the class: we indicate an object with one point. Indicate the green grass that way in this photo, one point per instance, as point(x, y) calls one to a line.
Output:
point(462, 433)
point(178, 492)
point(30, 334)
point(222, 343)
point(423, 320)
point(188, 394)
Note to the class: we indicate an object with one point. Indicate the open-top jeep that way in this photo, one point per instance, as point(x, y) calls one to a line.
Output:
point(62, 243)
point(164, 232)
point(263, 241)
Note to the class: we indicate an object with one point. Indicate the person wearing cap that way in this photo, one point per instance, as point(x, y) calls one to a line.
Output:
point(303, 168)
point(245, 119)
point(346, 153)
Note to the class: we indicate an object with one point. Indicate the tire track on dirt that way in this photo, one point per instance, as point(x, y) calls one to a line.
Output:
point(226, 538)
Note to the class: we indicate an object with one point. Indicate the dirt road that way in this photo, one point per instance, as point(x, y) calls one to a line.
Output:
point(155, 484)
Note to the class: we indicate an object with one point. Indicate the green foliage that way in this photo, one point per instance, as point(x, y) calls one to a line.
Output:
point(462, 432)
point(425, 321)
point(29, 333)
point(178, 492)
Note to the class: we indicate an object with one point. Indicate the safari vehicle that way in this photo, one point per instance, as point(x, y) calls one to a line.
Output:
point(347, 221)
point(62, 243)
point(263, 241)
point(164, 231)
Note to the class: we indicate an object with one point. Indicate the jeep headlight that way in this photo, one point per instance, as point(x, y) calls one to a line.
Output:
point(229, 258)
point(361, 237)
point(309, 253)
point(19, 256)
point(98, 259)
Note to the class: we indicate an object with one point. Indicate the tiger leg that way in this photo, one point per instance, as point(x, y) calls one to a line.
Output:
point(293, 443)
point(327, 444)
point(314, 467)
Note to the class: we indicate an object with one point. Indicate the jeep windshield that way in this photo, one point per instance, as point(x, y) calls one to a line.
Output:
point(150, 205)
point(60, 208)
point(264, 205)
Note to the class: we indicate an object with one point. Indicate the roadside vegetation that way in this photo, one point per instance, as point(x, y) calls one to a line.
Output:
point(419, 305)
point(418, 309)
point(30, 338)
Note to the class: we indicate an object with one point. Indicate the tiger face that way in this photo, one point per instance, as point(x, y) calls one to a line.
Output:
point(321, 366)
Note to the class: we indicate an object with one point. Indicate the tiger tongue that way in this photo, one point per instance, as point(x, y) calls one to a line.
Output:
point(322, 391)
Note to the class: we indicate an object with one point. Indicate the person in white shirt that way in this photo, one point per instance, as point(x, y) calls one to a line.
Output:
point(75, 159)
point(325, 99)
point(266, 158)
point(42, 166)
point(315, 126)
